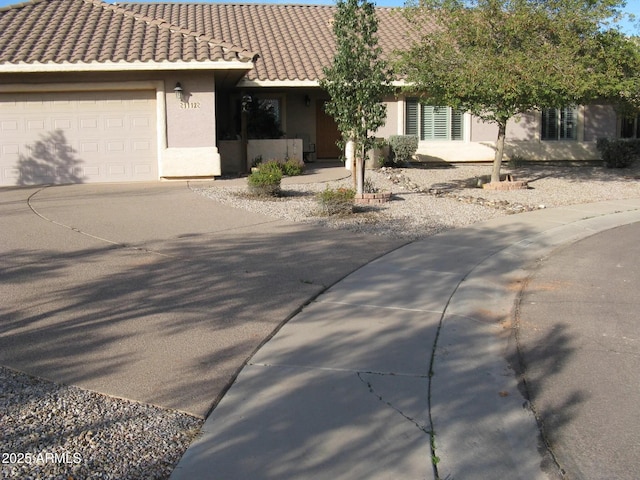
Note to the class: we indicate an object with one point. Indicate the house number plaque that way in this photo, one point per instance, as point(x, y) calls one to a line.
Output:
point(189, 105)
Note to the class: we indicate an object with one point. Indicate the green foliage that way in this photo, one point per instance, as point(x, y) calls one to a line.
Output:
point(289, 167)
point(369, 186)
point(292, 167)
point(336, 201)
point(500, 58)
point(403, 147)
point(265, 181)
point(358, 78)
point(618, 153)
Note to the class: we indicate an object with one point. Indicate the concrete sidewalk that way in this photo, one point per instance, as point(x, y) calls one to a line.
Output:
point(403, 369)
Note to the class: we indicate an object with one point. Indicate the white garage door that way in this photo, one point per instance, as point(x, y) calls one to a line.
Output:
point(77, 137)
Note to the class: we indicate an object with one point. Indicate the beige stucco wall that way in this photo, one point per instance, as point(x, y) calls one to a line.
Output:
point(191, 149)
point(191, 122)
point(391, 124)
point(552, 150)
point(276, 149)
point(481, 131)
point(599, 121)
point(301, 118)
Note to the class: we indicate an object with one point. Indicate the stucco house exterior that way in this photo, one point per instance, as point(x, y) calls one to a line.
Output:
point(95, 92)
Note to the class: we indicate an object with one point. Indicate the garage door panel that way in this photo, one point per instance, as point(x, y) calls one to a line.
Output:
point(74, 137)
point(8, 126)
point(64, 124)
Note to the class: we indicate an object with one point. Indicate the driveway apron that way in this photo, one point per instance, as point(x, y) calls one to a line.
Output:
point(151, 292)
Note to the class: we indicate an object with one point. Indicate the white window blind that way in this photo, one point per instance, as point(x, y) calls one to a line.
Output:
point(433, 122)
point(559, 123)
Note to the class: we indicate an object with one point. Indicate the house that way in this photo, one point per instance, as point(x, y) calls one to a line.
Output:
point(94, 92)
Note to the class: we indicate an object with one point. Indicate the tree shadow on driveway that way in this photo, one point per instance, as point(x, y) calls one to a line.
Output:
point(170, 328)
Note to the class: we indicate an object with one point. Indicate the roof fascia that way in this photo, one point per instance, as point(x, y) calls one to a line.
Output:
point(297, 83)
point(122, 66)
point(278, 83)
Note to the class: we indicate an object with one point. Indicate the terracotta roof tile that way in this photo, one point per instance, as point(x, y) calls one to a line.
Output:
point(294, 41)
point(83, 31)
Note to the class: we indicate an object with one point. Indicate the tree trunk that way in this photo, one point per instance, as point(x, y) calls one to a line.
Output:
point(350, 159)
point(360, 171)
point(497, 161)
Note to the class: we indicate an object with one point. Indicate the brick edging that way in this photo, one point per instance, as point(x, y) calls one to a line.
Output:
point(506, 185)
point(368, 198)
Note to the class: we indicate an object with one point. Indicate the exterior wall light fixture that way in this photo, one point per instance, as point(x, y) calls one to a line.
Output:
point(246, 103)
point(178, 91)
point(307, 100)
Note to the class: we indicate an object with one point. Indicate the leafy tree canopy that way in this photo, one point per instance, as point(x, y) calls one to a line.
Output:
point(500, 58)
point(358, 78)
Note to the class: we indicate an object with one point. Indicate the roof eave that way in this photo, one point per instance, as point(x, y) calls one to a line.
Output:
point(49, 67)
point(246, 82)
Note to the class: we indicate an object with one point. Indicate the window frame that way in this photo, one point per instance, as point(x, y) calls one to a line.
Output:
point(559, 124)
point(444, 123)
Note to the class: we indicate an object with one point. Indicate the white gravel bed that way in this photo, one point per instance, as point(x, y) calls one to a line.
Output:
point(430, 200)
point(60, 432)
point(50, 431)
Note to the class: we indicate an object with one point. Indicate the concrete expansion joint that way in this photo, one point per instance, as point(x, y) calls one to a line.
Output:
point(384, 307)
point(335, 369)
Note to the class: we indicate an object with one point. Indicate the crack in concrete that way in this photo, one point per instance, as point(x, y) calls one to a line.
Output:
point(372, 390)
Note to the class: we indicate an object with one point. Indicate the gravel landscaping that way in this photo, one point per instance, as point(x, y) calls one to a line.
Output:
point(62, 432)
point(430, 200)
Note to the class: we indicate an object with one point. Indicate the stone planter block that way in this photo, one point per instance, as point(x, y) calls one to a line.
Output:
point(372, 198)
point(506, 185)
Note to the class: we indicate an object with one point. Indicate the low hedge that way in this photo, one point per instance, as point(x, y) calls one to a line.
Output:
point(618, 153)
point(403, 147)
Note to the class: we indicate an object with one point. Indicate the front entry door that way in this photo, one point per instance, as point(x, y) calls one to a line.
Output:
point(327, 133)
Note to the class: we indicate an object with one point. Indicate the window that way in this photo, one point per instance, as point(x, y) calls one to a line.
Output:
point(560, 123)
point(431, 122)
point(264, 117)
point(630, 127)
point(272, 106)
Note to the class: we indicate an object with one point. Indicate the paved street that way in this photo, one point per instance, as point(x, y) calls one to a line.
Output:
point(580, 339)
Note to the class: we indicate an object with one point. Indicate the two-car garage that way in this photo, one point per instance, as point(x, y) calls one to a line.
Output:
point(78, 136)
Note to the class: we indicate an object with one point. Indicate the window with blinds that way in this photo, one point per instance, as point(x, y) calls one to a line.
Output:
point(432, 122)
point(559, 123)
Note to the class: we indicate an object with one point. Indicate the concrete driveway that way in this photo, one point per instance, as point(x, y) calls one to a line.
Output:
point(151, 292)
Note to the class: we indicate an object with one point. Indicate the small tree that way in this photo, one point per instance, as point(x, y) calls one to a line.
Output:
point(497, 59)
point(357, 80)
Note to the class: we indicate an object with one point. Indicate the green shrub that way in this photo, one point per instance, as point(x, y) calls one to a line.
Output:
point(336, 201)
point(403, 147)
point(369, 186)
point(292, 167)
point(265, 181)
point(618, 153)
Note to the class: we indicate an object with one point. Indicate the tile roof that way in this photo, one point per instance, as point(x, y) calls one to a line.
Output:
point(87, 31)
point(294, 41)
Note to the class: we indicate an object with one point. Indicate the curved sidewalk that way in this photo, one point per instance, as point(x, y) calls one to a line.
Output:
point(410, 352)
